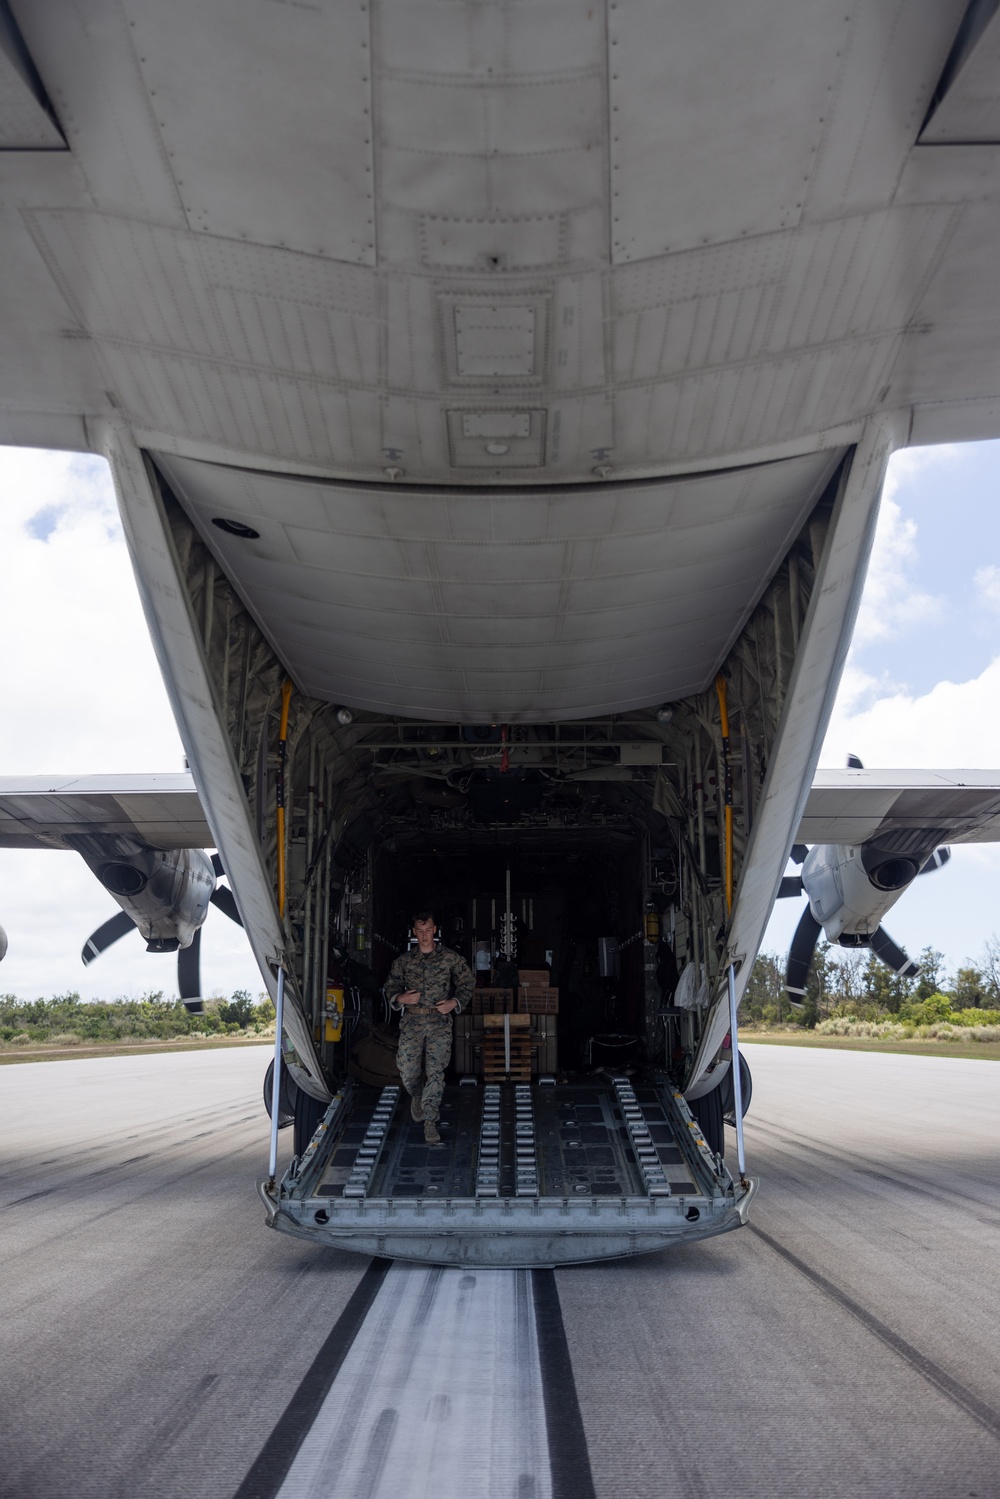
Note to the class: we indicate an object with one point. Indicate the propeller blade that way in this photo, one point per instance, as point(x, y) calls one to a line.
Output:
point(790, 885)
point(116, 926)
point(800, 956)
point(217, 866)
point(937, 860)
point(224, 898)
point(189, 975)
point(853, 763)
point(892, 956)
point(799, 851)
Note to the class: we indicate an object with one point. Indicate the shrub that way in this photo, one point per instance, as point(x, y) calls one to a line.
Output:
point(881, 1030)
point(929, 1011)
point(239, 1011)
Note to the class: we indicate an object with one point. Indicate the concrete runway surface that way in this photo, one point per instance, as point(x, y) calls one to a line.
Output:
point(156, 1340)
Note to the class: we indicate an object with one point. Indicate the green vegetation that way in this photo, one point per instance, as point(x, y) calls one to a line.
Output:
point(67, 1020)
point(852, 994)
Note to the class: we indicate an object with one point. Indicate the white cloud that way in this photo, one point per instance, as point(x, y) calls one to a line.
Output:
point(83, 694)
point(987, 585)
point(956, 725)
point(892, 603)
point(81, 683)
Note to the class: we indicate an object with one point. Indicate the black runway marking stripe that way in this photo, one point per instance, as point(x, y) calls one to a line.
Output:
point(279, 1451)
point(984, 1415)
point(569, 1459)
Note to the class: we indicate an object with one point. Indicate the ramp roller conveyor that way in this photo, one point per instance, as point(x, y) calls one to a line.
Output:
point(525, 1159)
point(371, 1146)
point(488, 1163)
point(650, 1167)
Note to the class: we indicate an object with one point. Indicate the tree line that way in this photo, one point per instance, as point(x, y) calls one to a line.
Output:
point(68, 1020)
point(846, 982)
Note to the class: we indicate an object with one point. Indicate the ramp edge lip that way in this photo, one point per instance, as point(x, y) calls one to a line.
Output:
point(507, 1231)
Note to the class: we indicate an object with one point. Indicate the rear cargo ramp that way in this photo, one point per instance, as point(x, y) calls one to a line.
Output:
point(528, 1173)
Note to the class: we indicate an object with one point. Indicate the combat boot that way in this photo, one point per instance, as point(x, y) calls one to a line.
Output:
point(416, 1108)
point(431, 1136)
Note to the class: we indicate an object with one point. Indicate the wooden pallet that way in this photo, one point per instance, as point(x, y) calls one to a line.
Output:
point(495, 1070)
point(494, 1050)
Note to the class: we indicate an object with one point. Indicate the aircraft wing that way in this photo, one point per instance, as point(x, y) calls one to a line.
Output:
point(854, 806)
point(161, 811)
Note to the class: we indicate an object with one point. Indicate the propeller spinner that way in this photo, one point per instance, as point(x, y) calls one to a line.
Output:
point(165, 923)
point(849, 889)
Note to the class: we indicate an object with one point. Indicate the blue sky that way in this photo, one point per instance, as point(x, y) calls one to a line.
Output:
point(83, 692)
point(922, 683)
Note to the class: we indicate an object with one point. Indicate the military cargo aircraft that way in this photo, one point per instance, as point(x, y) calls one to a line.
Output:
point(498, 398)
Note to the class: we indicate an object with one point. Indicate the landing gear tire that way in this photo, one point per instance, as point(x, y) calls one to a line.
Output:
point(286, 1099)
point(727, 1091)
point(708, 1113)
point(308, 1112)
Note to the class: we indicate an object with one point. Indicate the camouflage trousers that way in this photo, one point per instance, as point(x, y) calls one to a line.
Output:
point(424, 1052)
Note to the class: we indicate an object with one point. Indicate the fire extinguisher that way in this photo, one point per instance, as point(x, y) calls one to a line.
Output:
point(360, 935)
point(652, 923)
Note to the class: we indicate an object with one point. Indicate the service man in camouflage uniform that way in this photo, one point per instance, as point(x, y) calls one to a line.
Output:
point(427, 987)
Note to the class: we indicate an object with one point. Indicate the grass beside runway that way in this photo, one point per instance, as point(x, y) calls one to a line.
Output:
point(11, 1054)
point(981, 1051)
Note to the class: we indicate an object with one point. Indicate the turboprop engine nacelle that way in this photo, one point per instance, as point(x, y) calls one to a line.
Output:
point(850, 888)
point(165, 892)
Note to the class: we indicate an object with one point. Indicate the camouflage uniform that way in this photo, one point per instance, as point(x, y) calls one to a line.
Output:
point(424, 1035)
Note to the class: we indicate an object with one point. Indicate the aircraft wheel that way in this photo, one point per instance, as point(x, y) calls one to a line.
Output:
point(708, 1113)
point(287, 1099)
point(726, 1089)
point(308, 1112)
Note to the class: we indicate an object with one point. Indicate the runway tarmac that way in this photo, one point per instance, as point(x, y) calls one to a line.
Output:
point(157, 1340)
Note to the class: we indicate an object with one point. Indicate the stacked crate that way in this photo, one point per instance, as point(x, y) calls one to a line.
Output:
point(537, 999)
point(534, 994)
point(492, 1001)
point(533, 1008)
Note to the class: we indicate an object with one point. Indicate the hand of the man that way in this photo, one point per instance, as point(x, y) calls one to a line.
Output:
point(445, 1006)
point(409, 997)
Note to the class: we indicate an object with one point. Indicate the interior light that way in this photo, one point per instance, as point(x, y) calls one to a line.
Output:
point(235, 528)
point(344, 717)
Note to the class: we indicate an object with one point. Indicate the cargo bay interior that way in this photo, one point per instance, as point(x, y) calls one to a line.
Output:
point(549, 920)
point(584, 867)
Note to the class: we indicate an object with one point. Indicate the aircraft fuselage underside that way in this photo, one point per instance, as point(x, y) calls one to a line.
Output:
point(540, 1174)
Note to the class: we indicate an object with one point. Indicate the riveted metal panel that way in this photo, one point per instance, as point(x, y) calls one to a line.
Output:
point(265, 114)
point(705, 144)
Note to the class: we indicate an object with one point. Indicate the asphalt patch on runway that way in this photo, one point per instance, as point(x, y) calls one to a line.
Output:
point(565, 1438)
point(984, 1415)
point(278, 1453)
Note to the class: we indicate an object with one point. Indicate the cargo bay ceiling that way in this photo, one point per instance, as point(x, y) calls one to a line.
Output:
point(526, 333)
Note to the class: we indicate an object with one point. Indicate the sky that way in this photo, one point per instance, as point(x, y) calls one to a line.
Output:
point(83, 695)
point(921, 689)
